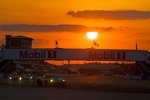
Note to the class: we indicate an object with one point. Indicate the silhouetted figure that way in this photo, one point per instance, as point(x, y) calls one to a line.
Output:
point(56, 44)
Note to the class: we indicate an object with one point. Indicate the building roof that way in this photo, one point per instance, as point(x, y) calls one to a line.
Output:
point(24, 37)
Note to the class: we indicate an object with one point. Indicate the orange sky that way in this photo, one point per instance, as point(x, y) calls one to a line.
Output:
point(54, 12)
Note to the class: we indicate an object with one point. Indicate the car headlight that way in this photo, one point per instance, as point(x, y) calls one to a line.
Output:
point(52, 80)
point(63, 80)
point(31, 77)
point(20, 78)
point(10, 78)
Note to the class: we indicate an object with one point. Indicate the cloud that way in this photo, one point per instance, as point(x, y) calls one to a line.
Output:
point(112, 15)
point(52, 28)
point(41, 28)
point(145, 41)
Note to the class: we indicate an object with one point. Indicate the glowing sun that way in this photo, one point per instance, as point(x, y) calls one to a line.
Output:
point(92, 35)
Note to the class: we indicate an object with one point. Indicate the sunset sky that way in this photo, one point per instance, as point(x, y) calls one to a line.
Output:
point(120, 23)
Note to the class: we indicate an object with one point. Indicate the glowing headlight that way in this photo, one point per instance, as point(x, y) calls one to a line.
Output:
point(10, 78)
point(63, 80)
point(20, 78)
point(51, 80)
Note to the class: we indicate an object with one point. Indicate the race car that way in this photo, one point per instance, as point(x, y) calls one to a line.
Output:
point(14, 76)
point(28, 77)
point(51, 80)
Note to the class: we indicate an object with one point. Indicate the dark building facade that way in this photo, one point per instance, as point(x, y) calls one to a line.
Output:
point(18, 42)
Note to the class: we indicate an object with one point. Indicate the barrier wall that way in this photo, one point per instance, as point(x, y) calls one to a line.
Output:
point(75, 54)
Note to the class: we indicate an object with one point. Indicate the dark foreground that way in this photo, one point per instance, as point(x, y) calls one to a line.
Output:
point(79, 88)
point(55, 93)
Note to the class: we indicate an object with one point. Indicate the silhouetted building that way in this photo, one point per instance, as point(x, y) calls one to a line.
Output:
point(18, 42)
